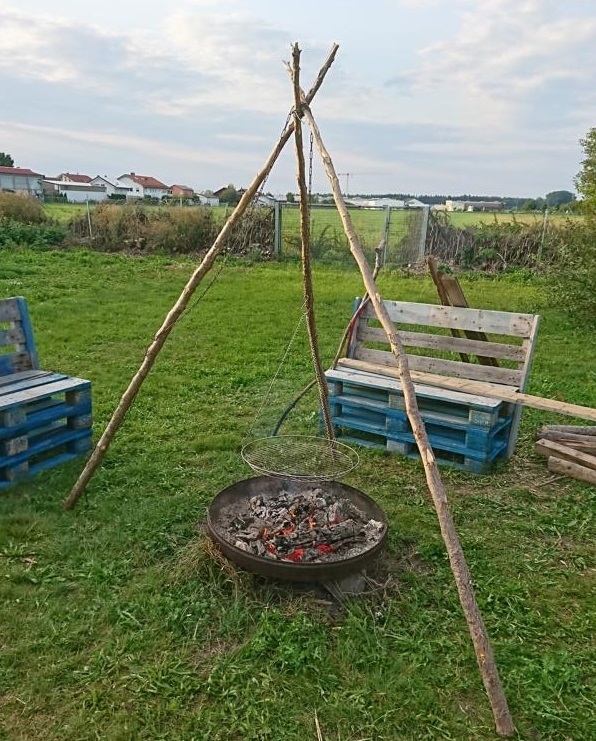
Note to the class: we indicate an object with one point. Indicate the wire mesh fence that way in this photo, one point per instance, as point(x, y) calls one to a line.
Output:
point(401, 231)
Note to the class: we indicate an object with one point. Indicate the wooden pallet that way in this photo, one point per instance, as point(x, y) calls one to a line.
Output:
point(45, 417)
point(465, 431)
point(45, 420)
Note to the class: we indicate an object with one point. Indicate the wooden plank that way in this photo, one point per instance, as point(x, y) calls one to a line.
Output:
point(393, 384)
point(549, 447)
point(571, 429)
point(14, 336)
point(27, 395)
point(29, 421)
point(434, 315)
point(444, 343)
point(29, 346)
point(528, 345)
point(15, 362)
point(567, 468)
point(30, 383)
point(9, 310)
point(492, 390)
point(455, 297)
point(437, 276)
point(585, 447)
point(22, 375)
point(566, 437)
point(426, 364)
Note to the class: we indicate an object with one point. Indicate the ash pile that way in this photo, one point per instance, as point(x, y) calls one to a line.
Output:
point(307, 527)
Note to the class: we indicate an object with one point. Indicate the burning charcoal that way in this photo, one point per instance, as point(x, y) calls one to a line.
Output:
point(303, 527)
point(296, 555)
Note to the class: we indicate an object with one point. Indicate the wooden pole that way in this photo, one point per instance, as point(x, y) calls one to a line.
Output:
point(180, 305)
point(309, 301)
point(463, 579)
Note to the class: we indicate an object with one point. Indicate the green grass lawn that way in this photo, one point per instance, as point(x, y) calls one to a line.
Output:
point(118, 622)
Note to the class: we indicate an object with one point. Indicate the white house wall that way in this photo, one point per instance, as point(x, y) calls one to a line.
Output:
point(21, 184)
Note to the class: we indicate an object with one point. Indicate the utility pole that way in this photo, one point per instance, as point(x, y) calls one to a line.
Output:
point(346, 175)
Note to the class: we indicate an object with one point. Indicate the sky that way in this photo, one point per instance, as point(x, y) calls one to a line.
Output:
point(425, 96)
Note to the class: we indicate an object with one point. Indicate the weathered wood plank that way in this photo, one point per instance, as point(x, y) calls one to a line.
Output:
point(491, 390)
point(437, 276)
point(445, 343)
point(15, 362)
point(9, 310)
point(426, 364)
point(27, 395)
point(567, 468)
point(549, 447)
point(14, 336)
point(393, 384)
point(22, 375)
point(453, 317)
point(571, 429)
point(29, 382)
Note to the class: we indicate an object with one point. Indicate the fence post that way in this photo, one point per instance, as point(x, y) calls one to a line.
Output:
point(386, 234)
point(277, 218)
point(423, 230)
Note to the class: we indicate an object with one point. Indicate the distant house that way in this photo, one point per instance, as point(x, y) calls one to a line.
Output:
point(182, 191)
point(376, 202)
point(21, 180)
point(143, 186)
point(111, 186)
point(70, 177)
point(220, 191)
point(473, 206)
point(74, 192)
point(207, 200)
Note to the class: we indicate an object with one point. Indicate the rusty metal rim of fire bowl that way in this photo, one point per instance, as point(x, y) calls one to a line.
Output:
point(223, 504)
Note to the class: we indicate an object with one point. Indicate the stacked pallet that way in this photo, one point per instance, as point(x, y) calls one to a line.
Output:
point(465, 431)
point(570, 449)
point(45, 420)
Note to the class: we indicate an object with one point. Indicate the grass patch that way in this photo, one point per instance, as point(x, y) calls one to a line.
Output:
point(119, 622)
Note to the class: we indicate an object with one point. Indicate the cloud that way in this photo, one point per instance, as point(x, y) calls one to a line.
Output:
point(198, 93)
point(507, 56)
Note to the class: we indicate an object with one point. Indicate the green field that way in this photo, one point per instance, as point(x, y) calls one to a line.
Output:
point(472, 218)
point(119, 623)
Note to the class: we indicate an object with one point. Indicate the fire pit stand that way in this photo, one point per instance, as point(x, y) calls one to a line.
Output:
point(232, 504)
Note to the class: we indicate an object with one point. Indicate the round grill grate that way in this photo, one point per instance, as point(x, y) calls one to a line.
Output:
point(300, 457)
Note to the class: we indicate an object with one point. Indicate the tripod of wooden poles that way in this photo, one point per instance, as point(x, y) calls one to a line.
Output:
point(484, 654)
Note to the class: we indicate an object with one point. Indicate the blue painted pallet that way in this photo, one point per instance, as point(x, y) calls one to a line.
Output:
point(410, 450)
point(470, 440)
point(46, 449)
point(465, 431)
point(453, 406)
point(45, 420)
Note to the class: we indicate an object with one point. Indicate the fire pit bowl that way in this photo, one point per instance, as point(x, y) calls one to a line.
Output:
point(230, 502)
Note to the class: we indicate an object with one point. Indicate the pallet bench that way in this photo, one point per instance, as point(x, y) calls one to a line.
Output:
point(466, 429)
point(45, 417)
